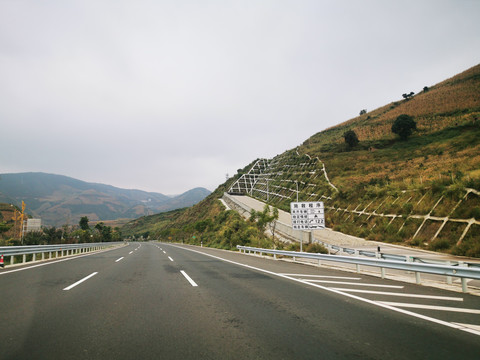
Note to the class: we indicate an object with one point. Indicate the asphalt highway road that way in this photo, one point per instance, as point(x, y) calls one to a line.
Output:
point(164, 301)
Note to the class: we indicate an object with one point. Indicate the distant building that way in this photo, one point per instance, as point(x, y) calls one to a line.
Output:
point(33, 225)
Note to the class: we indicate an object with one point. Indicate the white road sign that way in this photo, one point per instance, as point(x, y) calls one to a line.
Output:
point(307, 215)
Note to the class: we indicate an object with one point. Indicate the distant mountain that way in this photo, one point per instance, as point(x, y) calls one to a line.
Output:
point(58, 199)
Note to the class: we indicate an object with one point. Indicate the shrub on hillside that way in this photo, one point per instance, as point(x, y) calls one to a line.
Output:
point(351, 138)
point(404, 126)
point(316, 248)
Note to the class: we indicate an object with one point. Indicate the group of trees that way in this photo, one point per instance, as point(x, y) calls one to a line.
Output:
point(225, 230)
point(82, 233)
point(403, 126)
point(99, 233)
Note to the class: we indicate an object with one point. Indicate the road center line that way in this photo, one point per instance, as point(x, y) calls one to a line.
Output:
point(164, 252)
point(80, 281)
point(193, 283)
point(119, 259)
point(170, 258)
point(130, 252)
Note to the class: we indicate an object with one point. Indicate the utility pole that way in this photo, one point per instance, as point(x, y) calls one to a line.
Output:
point(22, 217)
point(296, 182)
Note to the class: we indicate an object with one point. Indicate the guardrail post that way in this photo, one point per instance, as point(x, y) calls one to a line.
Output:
point(357, 254)
point(378, 255)
point(464, 280)
point(12, 259)
point(43, 256)
point(24, 258)
point(34, 257)
point(417, 274)
point(449, 278)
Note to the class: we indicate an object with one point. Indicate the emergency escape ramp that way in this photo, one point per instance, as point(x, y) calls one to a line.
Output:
point(246, 183)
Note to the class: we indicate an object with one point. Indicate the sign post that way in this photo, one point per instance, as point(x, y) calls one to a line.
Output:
point(307, 216)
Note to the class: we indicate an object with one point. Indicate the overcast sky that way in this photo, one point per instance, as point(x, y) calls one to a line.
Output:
point(166, 96)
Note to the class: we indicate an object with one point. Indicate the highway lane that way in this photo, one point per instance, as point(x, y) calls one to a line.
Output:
point(140, 304)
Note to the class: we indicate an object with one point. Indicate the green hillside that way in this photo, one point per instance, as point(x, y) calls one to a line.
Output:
point(205, 223)
point(422, 192)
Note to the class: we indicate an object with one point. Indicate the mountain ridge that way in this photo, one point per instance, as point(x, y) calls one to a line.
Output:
point(60, 199)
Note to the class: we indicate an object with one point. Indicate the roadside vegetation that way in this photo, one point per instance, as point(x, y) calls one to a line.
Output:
point(416, 160)
point(10, 232)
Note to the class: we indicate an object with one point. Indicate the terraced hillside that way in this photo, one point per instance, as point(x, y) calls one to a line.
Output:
point(423, 192)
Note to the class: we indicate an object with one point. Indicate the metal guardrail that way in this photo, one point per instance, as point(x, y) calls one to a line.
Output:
point(57, 250)
point(464, 272)
point(396, 257)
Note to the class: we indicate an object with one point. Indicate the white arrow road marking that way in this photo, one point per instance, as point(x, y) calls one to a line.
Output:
point(430, 307)
point(434, 297)
point(357, 284)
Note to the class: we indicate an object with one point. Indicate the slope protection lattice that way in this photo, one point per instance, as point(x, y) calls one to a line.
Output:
point(285, 178)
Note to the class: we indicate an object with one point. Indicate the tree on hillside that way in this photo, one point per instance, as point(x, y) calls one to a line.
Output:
point(403, 126)
point(363, 112)
point(351, 138)
point(104, 231)
point(408, 96)
point(84, 223)
point(52, 235)
point(263, 218)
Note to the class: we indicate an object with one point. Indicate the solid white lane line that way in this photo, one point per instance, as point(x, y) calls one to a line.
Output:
point(170, 258)
point(432, 297)
point(119, 259)
point(430, 307)
point(193, 283)
point(346, 294)
point(80, 281)
point(323, 276)
point(356, 284)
